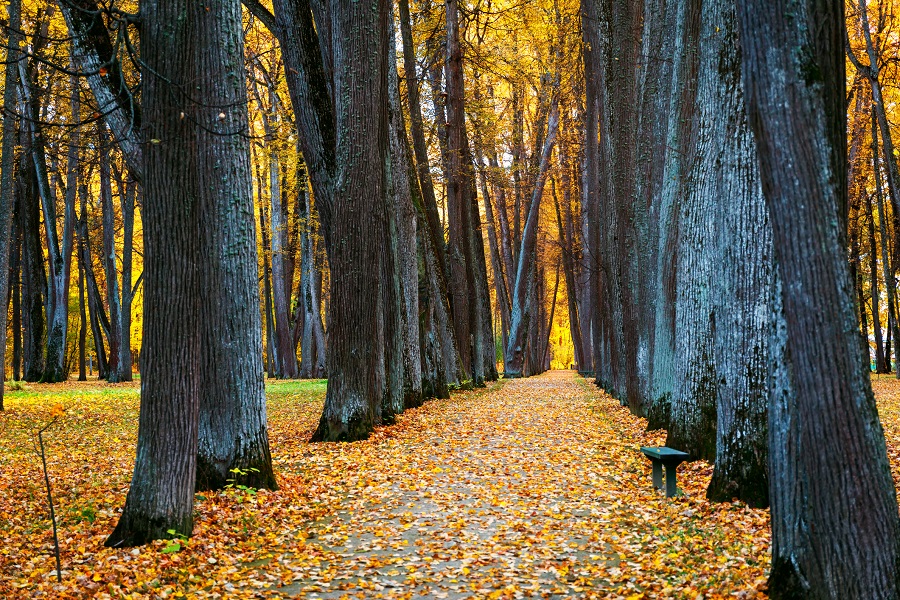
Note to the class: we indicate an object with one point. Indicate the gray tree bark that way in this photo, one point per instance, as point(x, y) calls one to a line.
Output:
point(233, 435)
point(357, 221)
point(520, 314)
point(162, 489)
point(113, 298)
point(827, 449)
point(7, 165)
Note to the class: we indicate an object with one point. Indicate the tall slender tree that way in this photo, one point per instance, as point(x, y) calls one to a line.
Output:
point(7, 163)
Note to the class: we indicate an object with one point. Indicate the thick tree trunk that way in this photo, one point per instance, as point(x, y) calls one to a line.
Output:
point(742, 290)
point(162, 488)
point(619, 51)
point(403, 214)
point(828, 455)
point(655, 344)
point(356, 369)
point(233, 434)
point(692, 426)
point(459, 255)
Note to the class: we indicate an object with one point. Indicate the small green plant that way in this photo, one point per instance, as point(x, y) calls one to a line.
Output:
point(233, 485)
point(176, 543)
point(78, 514)
point(15, 386)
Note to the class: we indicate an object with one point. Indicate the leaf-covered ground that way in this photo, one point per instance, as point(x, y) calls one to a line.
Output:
point(532, 488)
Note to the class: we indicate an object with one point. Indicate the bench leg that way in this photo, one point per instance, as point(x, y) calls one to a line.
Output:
point(657, 475)
point(671, 484)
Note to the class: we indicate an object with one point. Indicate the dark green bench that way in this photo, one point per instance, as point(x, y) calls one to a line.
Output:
point(669, 458)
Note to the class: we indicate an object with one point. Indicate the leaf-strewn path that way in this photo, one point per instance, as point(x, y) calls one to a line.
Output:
point(532, 488)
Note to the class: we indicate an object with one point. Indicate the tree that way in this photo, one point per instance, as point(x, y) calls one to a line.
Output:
point(161, 495)
point(520, 314)
point(356, 366)
point(113, 298)
point(233, 432)
point(827, 449)
point(7, 162)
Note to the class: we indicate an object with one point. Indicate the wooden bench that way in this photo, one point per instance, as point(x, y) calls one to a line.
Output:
point(669, 458)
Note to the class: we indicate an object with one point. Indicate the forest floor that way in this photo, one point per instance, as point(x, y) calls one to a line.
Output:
point(531, 488)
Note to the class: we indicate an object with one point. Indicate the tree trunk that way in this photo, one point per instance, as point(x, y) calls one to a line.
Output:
point(233, 434)
point(16, 282)
point(312, 349)
point(567, 250)
point(429, 203)
point(742, 289)
point(590, 221)
point(162, 488)
point(873, 279)
point(7, 165)
point(285, 352)
point(98, 319)
point(113, 299)
point(59, 254)
point(357, 222)
point(886, 263)
point(520, 316)
point(828, 454)
point(82, 315)
point(267, 287)
point(500, 287)
point(459, 255)
point(403, 214)
point(34, 279)
point(127, 200)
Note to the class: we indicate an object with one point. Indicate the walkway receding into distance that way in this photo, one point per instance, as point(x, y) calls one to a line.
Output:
point(532, 488)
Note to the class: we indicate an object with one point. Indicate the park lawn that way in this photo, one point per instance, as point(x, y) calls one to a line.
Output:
point(664, 548)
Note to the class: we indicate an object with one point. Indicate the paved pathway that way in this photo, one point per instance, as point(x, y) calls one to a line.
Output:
point(531, 489)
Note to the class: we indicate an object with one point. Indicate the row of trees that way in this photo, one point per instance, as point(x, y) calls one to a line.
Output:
point(723, 301)
point(76, 163)
point(680, 170)
point(409, 307)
